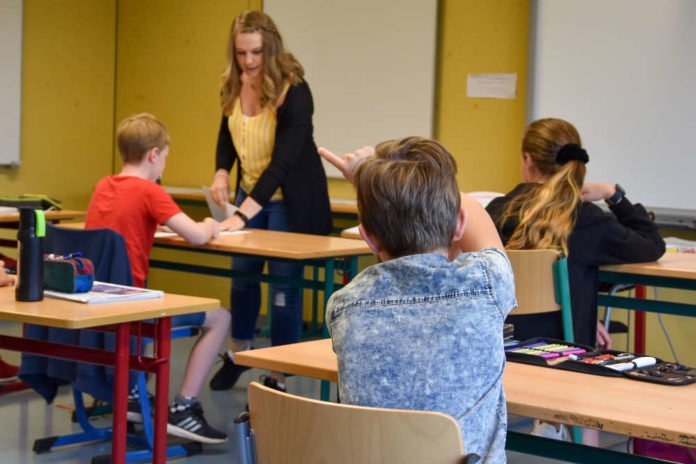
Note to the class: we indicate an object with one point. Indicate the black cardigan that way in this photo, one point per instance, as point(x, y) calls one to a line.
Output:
point(626, 236)
point(295, 166)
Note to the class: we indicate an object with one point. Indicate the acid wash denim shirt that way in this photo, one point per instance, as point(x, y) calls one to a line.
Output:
point(422, 332)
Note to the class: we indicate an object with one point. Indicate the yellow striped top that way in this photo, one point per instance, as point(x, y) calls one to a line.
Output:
point(254, 139)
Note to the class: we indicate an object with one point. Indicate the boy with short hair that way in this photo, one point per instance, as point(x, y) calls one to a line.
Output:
point(133, 204)
point(423, 329)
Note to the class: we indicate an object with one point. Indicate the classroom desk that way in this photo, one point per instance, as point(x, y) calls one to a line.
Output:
point(116, 317)
point(610, 404)
point(11, 221)
point(334, 254)
point(673, 270)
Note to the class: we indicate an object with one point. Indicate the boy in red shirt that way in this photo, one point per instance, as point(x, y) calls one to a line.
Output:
point(133, 204)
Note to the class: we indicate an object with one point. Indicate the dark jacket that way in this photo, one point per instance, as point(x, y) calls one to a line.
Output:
point(295, 165)
point(626, 236)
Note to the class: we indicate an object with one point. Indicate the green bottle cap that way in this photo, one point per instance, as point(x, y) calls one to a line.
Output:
point(40, 223)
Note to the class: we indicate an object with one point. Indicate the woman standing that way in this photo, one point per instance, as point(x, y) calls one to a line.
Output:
point(281, 185)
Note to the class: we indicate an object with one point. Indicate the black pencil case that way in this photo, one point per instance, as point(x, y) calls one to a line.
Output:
point(576, 357)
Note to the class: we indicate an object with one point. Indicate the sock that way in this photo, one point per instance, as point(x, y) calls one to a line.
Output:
point(185, 401)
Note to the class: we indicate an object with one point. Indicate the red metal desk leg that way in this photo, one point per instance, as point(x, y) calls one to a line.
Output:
point(163, 329)
point(122, 353)
point(639, 340)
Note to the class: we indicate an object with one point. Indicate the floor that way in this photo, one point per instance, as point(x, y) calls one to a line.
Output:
point(35, 419)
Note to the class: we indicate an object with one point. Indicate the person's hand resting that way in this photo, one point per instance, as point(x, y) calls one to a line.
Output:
point(232, 223)
point(596, 191)
point(603, 338)
point(349, 161)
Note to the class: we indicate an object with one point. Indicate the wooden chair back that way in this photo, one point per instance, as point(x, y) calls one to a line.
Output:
point(291, 429)
point(534, 280)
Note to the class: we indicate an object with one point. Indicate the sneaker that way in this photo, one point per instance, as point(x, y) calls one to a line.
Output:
point(270, 382)
point(8, 372)
point(134, 413)
point(227, 375)
point(188, 422)
point(550, 430)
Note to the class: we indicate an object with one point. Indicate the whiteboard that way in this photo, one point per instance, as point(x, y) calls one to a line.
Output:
point(624, 73)
point(10, 80)
point(369, 63)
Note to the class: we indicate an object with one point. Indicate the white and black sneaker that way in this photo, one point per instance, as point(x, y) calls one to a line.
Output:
point(134, 410)
point(188, 422)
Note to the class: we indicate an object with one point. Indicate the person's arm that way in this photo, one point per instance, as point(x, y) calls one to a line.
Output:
point(5, 279)
point(225, 157)
point(479, 231)
point(630, 234)
point(196, 233)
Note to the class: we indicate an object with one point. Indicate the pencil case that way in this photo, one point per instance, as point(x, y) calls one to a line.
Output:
point(609, 363)
point(68, 274)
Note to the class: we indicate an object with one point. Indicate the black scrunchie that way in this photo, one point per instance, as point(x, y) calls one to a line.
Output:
point(572, 152)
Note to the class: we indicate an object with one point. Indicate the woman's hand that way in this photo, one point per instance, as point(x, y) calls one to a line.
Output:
point(349, 161)
point(232, 223)
point(603, 338)
point(595, 191)
point(220, 188)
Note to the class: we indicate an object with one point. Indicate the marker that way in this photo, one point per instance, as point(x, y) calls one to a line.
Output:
point(636, 363)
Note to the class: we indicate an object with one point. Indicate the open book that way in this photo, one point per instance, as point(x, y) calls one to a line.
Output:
point(103, 292)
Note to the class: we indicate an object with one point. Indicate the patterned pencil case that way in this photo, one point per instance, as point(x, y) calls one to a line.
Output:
point(68, 274)
point(611, 363)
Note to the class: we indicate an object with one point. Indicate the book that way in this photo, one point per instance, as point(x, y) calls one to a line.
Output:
point(103, 292)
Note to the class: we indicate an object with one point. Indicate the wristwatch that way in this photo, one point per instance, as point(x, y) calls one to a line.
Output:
point(616, 198)
point(242, 216)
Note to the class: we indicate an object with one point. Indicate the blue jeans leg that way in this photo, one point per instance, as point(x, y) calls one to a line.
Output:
point(245, 298)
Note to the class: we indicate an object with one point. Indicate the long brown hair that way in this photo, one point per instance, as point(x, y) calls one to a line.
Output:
point(279, 66)
point(546, 213)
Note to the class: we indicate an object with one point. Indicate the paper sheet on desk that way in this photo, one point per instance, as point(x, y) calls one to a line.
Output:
point(162, 234)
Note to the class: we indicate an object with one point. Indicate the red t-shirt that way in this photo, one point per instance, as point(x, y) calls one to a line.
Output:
point(133, 207)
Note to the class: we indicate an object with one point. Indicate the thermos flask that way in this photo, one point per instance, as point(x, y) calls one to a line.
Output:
point(32, 229)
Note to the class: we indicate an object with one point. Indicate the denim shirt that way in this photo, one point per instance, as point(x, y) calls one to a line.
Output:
point(425, 333)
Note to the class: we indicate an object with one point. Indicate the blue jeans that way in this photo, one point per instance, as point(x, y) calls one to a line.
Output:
point(245, 297)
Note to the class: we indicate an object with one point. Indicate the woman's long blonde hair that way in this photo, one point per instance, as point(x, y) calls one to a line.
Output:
point(279, 66)
point(547, 212)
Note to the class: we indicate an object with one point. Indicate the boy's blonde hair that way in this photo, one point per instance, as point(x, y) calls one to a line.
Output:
point(138, 134)
point(408, 196)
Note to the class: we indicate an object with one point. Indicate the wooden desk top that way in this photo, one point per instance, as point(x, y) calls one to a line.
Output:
point(72, 315)
point(271, 244)
point(618, 405)
point(276, 244)
point(62, 215)
point(676, 265)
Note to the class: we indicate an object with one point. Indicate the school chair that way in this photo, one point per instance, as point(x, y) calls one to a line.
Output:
point(107, 251)
point(284, 428)
point(541, 285)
